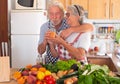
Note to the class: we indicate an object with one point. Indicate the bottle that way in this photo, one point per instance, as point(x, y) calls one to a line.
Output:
point(43, 59)
point(39, 59)
point(109, 29)
point(100, 29)
point(106, 30)
point(112, 30)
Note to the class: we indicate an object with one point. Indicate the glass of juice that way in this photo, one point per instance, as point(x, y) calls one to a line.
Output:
point(52, 32)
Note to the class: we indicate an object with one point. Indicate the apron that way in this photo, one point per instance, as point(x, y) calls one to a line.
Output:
point(65, 55)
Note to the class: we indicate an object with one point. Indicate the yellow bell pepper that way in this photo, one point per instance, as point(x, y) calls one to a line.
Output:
point(40, 75)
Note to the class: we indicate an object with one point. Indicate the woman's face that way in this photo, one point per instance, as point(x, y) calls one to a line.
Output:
point(72, 20)
point(55, 15)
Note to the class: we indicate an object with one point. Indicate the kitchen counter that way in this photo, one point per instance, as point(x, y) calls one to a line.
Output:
point(114, 58)
point(11, 80)
point(116, 61)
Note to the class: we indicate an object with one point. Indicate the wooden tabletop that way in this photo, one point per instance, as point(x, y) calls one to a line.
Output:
point(11, 79)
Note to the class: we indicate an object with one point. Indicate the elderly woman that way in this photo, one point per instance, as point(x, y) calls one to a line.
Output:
point(77, 44)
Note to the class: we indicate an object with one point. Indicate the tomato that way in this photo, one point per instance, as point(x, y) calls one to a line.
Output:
point(50, 81)
point(47, 77)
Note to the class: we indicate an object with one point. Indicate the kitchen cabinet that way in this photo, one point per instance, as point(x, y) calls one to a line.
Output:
point(63, 2)
point(98, 9)
point(83, 3)
point(103, 9)
point(114, 9)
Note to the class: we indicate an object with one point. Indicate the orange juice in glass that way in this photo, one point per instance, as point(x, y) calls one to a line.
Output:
point(52, 32)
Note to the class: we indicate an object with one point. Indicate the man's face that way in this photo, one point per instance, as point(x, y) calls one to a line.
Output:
point(55, 15)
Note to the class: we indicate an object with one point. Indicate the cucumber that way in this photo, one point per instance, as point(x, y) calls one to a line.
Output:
point(61, 80)
point(75, 73)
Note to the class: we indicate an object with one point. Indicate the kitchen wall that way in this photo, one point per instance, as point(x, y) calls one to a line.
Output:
point(11, 5)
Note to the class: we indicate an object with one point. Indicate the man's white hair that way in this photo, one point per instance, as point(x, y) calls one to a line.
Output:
point(52, 3)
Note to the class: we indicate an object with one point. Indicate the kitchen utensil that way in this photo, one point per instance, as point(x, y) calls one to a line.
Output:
point(4, 63)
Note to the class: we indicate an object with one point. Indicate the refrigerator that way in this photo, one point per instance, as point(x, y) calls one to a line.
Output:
point(25, 31)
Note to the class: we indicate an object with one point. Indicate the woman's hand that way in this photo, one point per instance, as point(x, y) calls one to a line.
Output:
point(65, 33)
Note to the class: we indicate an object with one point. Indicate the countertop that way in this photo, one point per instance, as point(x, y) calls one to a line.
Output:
point(116, 61)
point(10, 82)
point(11, 79)
point(114, 58)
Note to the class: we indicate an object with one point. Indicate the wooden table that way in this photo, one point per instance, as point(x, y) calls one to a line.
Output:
point(11, 80)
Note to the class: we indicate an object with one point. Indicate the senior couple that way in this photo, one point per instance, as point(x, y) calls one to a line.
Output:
point(72, 39)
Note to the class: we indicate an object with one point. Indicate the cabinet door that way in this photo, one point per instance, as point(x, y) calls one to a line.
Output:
point(83, 3)
point(115, 9)
point(65, 3)
point(98, 9)
point(68, 2)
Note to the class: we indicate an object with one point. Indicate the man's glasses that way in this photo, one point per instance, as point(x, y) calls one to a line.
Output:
point(67, 15)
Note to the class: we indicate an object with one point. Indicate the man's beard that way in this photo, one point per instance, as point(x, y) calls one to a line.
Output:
point(55, 23)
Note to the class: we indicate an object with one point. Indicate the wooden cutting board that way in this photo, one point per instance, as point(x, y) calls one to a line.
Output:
point(4, 69)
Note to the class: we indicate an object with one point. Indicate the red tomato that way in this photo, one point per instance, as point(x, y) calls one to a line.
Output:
point(50, 81)
point(47, 77)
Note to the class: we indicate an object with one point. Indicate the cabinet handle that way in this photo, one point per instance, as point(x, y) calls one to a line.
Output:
point(112, 10)
point(105, 9)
